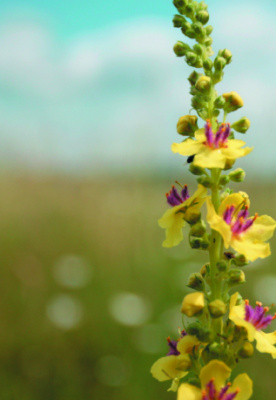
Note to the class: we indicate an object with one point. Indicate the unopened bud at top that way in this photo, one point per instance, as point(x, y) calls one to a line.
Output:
point(203, 84)
point(193, 303)
point(233, 101)
point(202, 16)
point(187, 125)
point(181, 48)
point(178, 21)
point(219, 63)
point(242, 125)
point(227, 55)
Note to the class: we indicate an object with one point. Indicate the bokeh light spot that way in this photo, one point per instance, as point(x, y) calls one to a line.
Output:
point(65, 312)
point(72, 271)
point(129, 309)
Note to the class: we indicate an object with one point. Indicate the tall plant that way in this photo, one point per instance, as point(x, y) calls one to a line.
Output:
point(219, 328)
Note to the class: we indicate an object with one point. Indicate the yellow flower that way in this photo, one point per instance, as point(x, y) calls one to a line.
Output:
point(212, 150)
point(253, 320)
point(192, 303)
point(176, 363)
point(184, 208)
point(247, 236)
point(213, 379)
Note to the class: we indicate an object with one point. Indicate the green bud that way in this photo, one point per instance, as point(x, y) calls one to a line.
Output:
point(209, 30)
point(189, 9)
point(202, 16)
point(240, 260)
point(198, 102)
point(195, 170)
point(194, 91)
point(205, 269)
point(193, 77)
point(221, 265)
point(203, 114)
point(187, 125)
point(217, 308)
point(181, 49)
point(246, 351)
point(190, 33)
point(233, 101)
point(198, 28)
point(198, 229)
point(242, 125)
point(219, 63)
point(179, 3)
point(208, 64)
point(203, 84)
point(185, 27)
point(205, 242)
point(219, 102)
point(195, 243)
point(208, 41)
point(191, 58)
point(193, 218)
point(216, 113)
point(217, 77)
point(178, 21)
point(239, 333)
point(227, 55)
point(196, 281)
point(198, 49)
point(196, 329)
point(224, 179)
point(205, 181)
point(238, 175)
point(202, 6)
point(212, 351)
point(236, 277)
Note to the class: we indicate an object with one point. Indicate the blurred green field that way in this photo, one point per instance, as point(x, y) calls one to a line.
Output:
point(88, 295)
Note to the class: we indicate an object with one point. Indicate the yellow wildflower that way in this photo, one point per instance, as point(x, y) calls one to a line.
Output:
point(212, 150)
point(247, 236)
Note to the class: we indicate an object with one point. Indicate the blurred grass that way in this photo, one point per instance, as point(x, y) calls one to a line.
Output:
point(110, 222)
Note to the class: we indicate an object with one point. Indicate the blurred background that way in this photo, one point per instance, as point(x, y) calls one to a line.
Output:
point(90, 93)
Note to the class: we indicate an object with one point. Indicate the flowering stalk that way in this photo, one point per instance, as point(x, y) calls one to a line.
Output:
point(223, 326)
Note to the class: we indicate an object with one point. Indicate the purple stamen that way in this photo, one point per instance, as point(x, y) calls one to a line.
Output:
point(209, 134)
point(219, 135)
point(228, 214)
point(225, 134)
point(174, 198)
point(243, 213)
point(185, 193)
point(219, 139)
point(172, 346)
point(230, 396)
point(257, 316)
point(210, 392)
point(222, 392)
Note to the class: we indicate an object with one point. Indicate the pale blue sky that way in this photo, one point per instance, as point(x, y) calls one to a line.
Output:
point(94, 84)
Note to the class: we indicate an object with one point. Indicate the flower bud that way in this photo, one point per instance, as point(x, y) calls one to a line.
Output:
point(179, 3)
point(219, 102)
point(217, 308)
point(193, 60)
point(238, 175)
point(221, 265)
point(209, 30)
point(205, 269)
point(203, 84)
point(198, 28)
point(189, 9)
point(208, 64)
point(208, 42)
point(240, 260)
point(236, 277)
point(227, 55)
point(215, 113)
point(193, 303)
point(242, 125)
point(205, 181)
point(196, 281)
point(192, 217)
point(205, 242)
point(185, 27)
point(193, 77)
point(202, 16)
point(196, 329)
point(198, 229)
point(219, 63)
point(246, 351)
point(233, 101)
point(195, 243)
point(202, 6)
point(190, 33)
point(198, 102)
point(198, 49)
point(195, 170)
point(178, 21)
point(187, 125)
point(224, 179)
point(181, 48)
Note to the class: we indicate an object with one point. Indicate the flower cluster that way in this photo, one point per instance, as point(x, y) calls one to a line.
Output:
point(219, 329)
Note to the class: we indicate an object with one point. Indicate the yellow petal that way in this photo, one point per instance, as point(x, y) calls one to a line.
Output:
point(251, 249)
point(200, 135)
point(187, 148)
point(264, 344)
point(262, 228)
point(217, 370)
point(233, 150)
point(218, 224)
point(245, 386)
point(187, 343)
point(173, 222)
point(271, 337)
point(188, 392)
point(233, 300)
point(235, 199)
point(237, 315)
point(193, 303)
point(170, 367)
point(200, 193)
point(209, 158)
